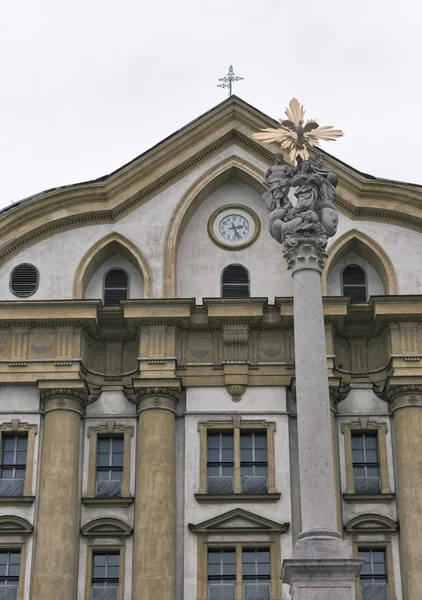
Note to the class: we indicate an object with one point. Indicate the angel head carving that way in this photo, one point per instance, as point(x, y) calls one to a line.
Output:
point(294, 134)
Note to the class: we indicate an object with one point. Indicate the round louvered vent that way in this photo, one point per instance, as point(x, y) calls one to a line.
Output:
point(24, 280)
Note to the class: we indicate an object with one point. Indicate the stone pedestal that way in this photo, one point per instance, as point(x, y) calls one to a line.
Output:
point(322, 566)
point(407, 411)
point(57, 527)
point(154, 562)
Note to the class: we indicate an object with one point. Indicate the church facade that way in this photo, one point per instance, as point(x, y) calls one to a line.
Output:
point(148, 430)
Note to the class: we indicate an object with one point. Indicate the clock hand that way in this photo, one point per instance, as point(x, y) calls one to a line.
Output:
point(235, 230)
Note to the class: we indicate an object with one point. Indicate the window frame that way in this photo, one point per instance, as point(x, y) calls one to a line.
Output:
point(374, 545)
point(20, 545)
point(236, 284)
point(104, 286)
point(109, 429)
point(236, 425)
point(364, 426)
point(93, 548)
point(15, 428)
point(365, 285)
point(272, 544)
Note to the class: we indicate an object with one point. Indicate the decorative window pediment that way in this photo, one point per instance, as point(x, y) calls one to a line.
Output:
point(239, 521)
point(14, 525)
point(371, 523)
point(107, 528)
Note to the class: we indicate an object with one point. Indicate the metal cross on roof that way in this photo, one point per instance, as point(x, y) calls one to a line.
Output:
point(228, 80)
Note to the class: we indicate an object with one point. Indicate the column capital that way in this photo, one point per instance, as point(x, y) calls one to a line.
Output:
point(402, 396)
point(65, 398)
point(305, 251)
point(156, 397)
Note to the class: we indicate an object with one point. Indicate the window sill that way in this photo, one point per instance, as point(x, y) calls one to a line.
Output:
point(124, 501)
point(268, 497)
point(365, 498)
point(16, 500)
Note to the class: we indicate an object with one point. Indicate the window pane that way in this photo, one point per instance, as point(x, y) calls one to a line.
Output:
point(7, 473)
point(98, 572)
point(103, 460)
point(117, 460)
point(213, 471)
point(370, 442)
point(246, 454)
point(227, 471)
point(246, 440)
point(248, 569)
point(378, 569)
point(357, 456)
point(213, 440)
point(9, 443)
point(371, 456)
point(21, 458)
point(358, 471)
point(227, 455)
point(246, 470)
point(8, 458)
point(104, 444)
point(214, 557)
point(117, 445)
point(22, 443)
point(117, 475)
point(213, 455)
point(261, 471)
point(14, 570)
point(357, 442)
point(99, 560)
point(214, 570)
point(103, 475)
point(227, 440)
point(261, 455)
point(261, 440)
point(20, 473)
point(113, 572)
point(264, 569)
point(372, 471)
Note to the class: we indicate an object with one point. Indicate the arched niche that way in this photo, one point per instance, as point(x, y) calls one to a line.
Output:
point(233, 167)
point(359, 244)
point(103, 252)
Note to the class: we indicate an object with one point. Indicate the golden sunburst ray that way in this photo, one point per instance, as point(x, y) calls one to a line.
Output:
point(294, 136)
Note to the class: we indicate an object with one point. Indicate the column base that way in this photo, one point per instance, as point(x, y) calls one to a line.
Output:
point(322, 568)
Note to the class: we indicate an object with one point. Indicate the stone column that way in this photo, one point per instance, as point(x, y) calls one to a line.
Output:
point(322, 567)
point(154, 562)
point(57, 526)
point(407, 411)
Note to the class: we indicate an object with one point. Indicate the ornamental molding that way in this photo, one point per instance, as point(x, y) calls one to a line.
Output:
point(62, 394)
point(157, 393)
point(405, 395)
point(305, 251)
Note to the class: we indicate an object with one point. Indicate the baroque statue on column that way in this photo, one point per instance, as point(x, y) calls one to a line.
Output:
point(300, 199)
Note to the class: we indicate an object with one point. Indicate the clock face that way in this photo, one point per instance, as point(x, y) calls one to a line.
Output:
point(234, 227)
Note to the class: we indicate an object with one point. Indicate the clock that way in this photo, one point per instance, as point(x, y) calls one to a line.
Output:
point(234, 227)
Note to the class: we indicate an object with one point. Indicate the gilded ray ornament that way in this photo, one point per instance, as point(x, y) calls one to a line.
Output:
point(294, 135)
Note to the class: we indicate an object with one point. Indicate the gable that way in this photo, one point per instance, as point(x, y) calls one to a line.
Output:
point(239, 521)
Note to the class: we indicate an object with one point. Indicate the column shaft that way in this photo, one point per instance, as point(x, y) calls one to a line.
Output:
point(154, 564)
point(408, 451)
point(313, 404)
point(56, 544)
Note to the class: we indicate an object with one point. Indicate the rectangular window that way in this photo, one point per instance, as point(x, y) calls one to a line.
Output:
point(256, 574)
point(109, 473)
point(105, 575)
point(10, 562)
point(373, 576)
point(253, 462)
point(222, 574)
point(366, 467)
point(13, 465)
point(220, 462)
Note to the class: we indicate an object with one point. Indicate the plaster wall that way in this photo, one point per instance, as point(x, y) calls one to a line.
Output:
point(205, 404)
point(200, 261)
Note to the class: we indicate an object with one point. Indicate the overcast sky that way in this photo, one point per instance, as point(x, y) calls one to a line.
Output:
point(87, 85)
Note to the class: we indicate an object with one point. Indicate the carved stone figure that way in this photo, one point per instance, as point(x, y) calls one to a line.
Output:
point(315, 189)
point(277, 180)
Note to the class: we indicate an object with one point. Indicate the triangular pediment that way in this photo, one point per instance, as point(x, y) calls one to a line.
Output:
point(239, 521)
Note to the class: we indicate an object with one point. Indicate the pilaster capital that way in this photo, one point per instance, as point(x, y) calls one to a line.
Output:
point(406, 395)
point(305, 251)
point(73, 399)
point(163, 398)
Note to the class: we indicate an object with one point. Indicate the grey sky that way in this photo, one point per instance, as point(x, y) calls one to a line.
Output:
point(87, 85)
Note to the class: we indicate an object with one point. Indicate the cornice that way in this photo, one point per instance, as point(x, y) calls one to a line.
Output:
point(111, 198)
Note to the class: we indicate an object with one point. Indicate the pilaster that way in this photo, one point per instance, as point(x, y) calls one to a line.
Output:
point(406, 406)
point(154, 564)
point(57, 540)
